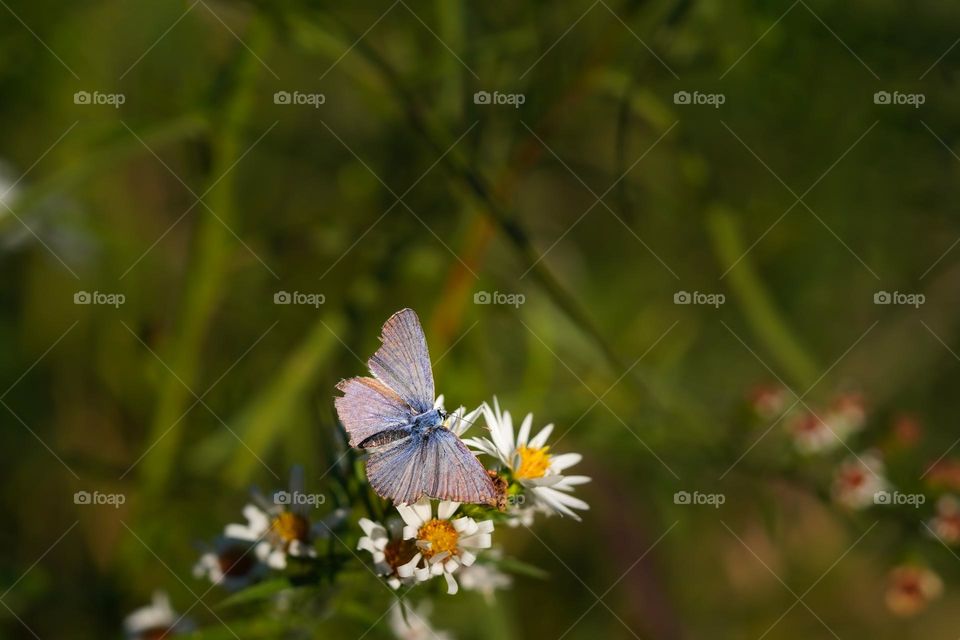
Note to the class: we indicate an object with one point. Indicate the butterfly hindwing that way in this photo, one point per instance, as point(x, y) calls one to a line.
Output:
point(368, 407)
point(403, 362)
point(457, 473)
point(438, 466)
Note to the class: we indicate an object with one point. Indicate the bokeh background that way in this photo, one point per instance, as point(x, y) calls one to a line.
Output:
point(586, 208)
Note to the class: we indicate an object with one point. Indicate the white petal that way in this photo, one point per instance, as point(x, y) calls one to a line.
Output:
point(525, 430)
point(423, 510)
point(408, 570)
point(561, 462)
point(446, 509)
point(541, 438)
point(452, 587)
point(464, 526)
point(410, 516)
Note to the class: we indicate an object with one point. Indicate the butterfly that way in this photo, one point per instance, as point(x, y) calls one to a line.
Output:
point(392, 416)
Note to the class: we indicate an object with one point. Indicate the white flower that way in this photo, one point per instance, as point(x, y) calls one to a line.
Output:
point(156, 620)
point(388, 548)
point(532, 465)
point(415, 626)
point(813, 433)
point(768, 400)
point(232, 563)
point(858, 479)
point(443, 544)
point(283, 527)
point(484, 578)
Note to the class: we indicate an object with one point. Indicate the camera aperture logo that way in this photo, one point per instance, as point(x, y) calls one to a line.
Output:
point(296, 297)
point(97, 98)
point(896, 297)
point(897, 98)
point(697, 297)
point(697, 498)
point(497, 98)
point(497, 297)
point(96, 498)
point(99, 298)
point(298, 98)
point(698, 98)
point(897, 498)
point(298, 499)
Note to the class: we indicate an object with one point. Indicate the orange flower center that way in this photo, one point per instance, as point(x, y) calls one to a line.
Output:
point(534, 462)
point(441, 536)
point(289, 526)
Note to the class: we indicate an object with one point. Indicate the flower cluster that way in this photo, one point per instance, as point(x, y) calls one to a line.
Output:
point(860, 479)
point(441, 538)
point(282, 538)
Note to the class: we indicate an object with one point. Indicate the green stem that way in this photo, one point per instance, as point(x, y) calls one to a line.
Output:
point(760, 311)
point(205, 285)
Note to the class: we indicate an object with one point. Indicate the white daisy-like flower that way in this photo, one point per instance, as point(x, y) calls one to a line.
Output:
point(484, 578)
point(389, 549)
point(531, 463)
point(408, 623)
point(858, 479)
point(155, 620)
point(283, 527)
point(232, 563)
point(444, 544)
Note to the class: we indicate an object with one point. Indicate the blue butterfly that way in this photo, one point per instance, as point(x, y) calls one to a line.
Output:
point(392, 416)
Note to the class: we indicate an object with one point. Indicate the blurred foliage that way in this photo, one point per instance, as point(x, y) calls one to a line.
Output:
point(200, 198)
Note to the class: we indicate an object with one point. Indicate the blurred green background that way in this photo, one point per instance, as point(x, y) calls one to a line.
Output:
point(204, 194)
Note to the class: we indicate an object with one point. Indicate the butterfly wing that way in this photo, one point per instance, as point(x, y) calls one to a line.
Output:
point(437, 465)
point(403, 362)
point(368, 407)
point(455, 473)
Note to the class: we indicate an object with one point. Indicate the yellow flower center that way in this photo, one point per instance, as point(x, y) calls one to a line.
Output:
point(534, 462)
point(290, 526)
point(441, 535)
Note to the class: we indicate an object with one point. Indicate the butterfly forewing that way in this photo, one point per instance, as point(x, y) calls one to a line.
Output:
point(369, 407)
point(403, 362)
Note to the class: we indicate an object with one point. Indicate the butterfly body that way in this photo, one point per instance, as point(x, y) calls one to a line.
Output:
point(392, 416)
point(421, 427)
